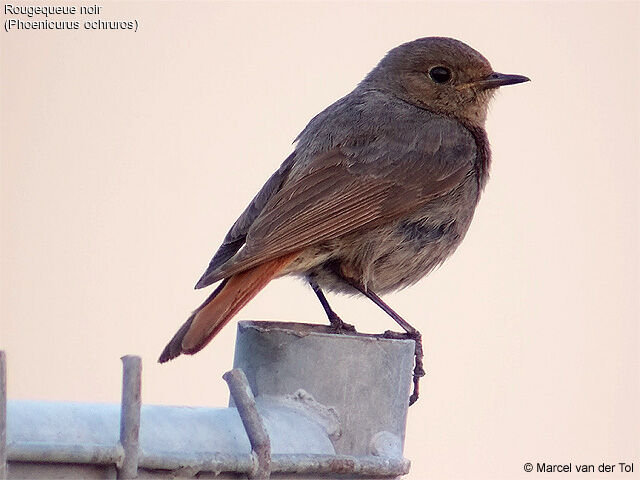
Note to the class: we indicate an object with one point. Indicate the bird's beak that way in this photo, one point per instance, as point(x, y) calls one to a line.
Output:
point(496, 80)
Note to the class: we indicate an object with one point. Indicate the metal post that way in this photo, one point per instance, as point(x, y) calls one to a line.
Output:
point(366, 378)
point(252, 421)
point(3, 415)
point(130, 415)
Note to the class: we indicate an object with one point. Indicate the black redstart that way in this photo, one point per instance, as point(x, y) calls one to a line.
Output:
point(380, 189)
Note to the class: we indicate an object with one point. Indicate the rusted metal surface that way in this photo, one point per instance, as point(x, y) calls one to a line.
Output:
point(340, 464)
point(213, 462)
point(65, 453)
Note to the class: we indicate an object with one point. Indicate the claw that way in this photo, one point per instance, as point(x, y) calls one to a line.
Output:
point(339, 326)
point(418, 369)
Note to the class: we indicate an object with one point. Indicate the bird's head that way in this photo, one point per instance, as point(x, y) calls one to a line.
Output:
point(442, 75)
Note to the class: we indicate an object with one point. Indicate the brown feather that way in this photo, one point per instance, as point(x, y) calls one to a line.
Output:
point(325, 200)
point(237, 292)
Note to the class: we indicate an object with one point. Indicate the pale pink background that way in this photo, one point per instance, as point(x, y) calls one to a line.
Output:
point(126, 156)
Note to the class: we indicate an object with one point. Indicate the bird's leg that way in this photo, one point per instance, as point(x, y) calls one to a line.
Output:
point(336, 322)
point(411, 333)
point(418, 369)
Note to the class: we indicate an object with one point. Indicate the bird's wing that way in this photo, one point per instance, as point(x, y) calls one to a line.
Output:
point(335, 194)
point(236, 236)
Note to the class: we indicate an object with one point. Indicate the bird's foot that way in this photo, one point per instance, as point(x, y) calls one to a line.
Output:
point(418, 369)
point(338, 326)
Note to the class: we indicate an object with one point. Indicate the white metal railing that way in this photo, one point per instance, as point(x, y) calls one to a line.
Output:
point(281, 430)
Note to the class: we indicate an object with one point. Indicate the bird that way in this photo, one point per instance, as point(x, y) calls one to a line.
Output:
point(380, 189)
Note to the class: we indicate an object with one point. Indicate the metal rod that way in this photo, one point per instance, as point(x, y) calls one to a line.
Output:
point(252, 421)
point(211, 462)
point(3, 415)
point(282, 463)
point(130, 415)
point(199, 462)
point(341, 464)
point(69, 453)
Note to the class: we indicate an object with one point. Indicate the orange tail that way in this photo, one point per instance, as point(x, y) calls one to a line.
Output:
point(227, 300)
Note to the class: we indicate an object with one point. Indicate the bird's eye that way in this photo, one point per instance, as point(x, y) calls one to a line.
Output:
point(440, 74)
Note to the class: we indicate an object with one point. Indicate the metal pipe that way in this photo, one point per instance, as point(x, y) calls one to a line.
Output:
point(130, 415)
point(366, 378)
point(3, 415)
point(190, 440)
point(295, 426)
point(252, 421)
point(281, 463)
point(340, 464)
point(199, 462)
point(212, 462)
point(65, 453)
